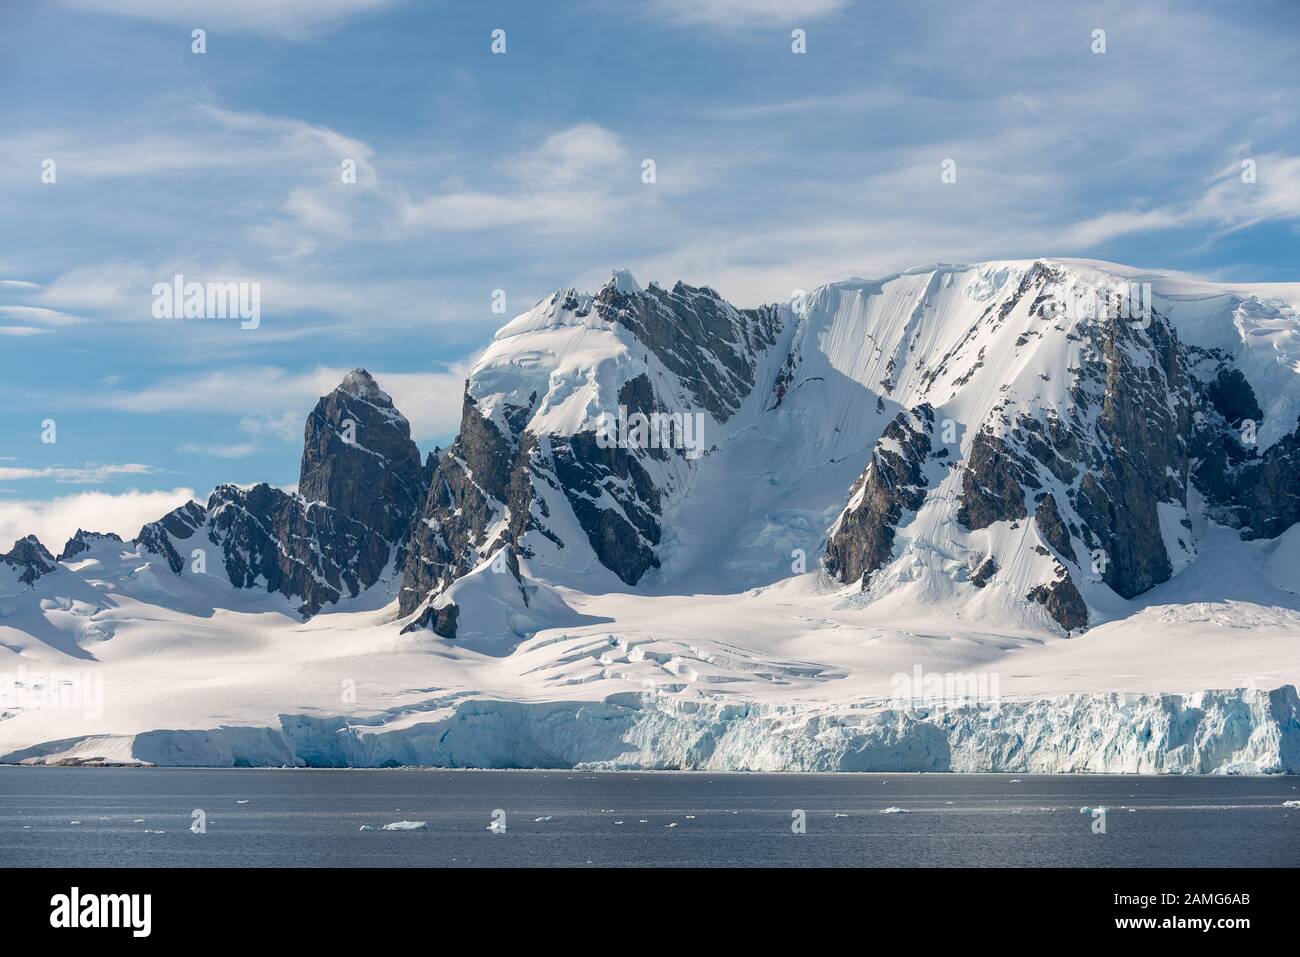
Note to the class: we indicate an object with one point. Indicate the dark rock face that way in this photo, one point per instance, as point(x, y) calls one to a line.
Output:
point(994, 483)
point(863, 538)
point(180, 524)
point(30, 559)
point(1050, 524)
point(442, 620)
point(984, 573)
point(1266, 500)
point(1244, 488)
point(1063, 602)
point(302, 550)
point(623, 538)
point(697, 334)
point(1143, 429)
point(469, 489)
point(369, 470)
point(81, 542)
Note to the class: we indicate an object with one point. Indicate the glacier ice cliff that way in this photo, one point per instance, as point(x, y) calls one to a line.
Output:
point(1241, 731)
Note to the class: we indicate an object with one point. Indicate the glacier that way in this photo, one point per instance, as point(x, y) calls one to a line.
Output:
point(1240, 731)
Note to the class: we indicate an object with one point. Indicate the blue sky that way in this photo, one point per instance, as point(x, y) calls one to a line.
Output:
point(522, 172)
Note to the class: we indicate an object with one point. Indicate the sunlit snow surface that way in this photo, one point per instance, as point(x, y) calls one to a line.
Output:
point(723, 658)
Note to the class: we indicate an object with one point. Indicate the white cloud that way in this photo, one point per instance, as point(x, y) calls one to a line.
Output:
point(56, 520)
point(297, 19)
point(40, 314)
point(271, 399)
point(744, 13)
point(84, 475)
point(286, 426)
point(237, 451)
point(575, 177)
point(1226, 204)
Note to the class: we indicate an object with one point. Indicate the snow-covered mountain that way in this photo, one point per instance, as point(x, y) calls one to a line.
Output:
point(1076, 477)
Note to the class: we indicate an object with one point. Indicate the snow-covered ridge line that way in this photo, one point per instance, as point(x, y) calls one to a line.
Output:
point(1239, 731)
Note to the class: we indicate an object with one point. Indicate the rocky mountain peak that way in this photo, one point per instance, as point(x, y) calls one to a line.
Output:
point(358, 457)
point(622, 281)
point(361, 383)
point(83, 540)
point(29, 559)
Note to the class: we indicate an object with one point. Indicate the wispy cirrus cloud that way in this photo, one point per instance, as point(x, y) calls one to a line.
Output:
point(296, 19)
point(1230, 200)
point(744, 13)
point(90, 474)
point(271, 399)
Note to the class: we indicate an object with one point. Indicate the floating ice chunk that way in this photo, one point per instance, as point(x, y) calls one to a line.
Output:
point(365, 827)
point(674, 824)
point(895, 810)
point(1092, 810)
point(241, 802)
point(1291, 803)
point(539, 820)
point(406, 826)
point(837, 814)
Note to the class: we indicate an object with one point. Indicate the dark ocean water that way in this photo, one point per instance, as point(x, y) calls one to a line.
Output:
point(314, 818)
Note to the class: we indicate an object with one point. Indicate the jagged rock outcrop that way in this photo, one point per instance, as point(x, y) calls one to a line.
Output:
point(895, 480)
point(1254, 491)
point(303, 550)
point(82, 541)
point(708, 343)
point(994, 483)
point(358, 458)
point(29, 560)
point(984, 572)
point(1142, 456)
point(360, 488)
point(468, 492)
point(179, 524)
point(1062, 600)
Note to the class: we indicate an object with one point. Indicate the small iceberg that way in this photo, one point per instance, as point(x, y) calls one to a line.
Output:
point(406, 826)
